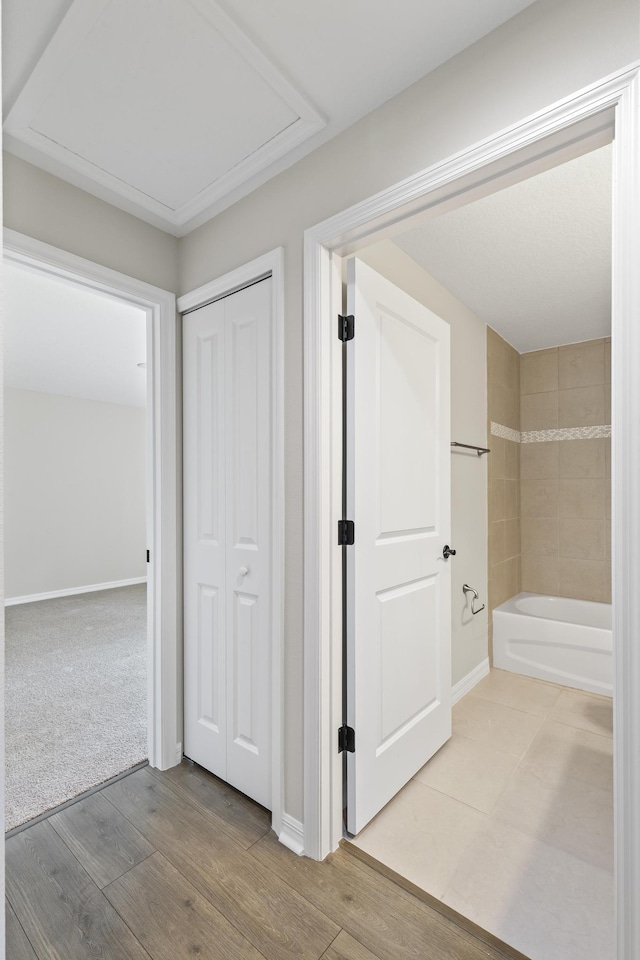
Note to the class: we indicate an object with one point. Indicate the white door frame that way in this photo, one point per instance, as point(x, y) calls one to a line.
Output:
point(557, 133)
point(269, 265)
point(164, 728)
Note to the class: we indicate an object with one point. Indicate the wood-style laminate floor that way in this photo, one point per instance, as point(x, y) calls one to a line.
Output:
point(178, 865)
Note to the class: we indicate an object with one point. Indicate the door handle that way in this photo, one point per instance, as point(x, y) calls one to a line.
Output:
point(448, 552)
point(243, 571)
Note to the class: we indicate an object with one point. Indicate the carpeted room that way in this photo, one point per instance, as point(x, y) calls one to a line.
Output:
point(75, 494)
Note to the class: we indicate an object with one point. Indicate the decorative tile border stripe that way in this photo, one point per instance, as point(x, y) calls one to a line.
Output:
point(499, 430)
point(567, 433)
point(540, 436)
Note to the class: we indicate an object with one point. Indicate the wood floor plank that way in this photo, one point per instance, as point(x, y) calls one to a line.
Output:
point(104, 841)
point(244, 821)
point(344, 947)
point(171, 919)
point(17, 942)
point(381, 916)
point(63, 913)
point(280, 923)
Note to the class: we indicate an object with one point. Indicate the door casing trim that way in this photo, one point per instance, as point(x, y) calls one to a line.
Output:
point(270, 264)
point(563, 130)
point(164, 725)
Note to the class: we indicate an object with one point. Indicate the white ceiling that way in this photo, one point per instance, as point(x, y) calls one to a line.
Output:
point(534, 260)
point(67, 340)
point(173, 109)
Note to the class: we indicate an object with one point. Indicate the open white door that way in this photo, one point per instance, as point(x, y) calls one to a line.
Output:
point(398, 590)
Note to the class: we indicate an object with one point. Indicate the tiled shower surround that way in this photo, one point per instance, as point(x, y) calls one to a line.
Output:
point(565, 469)
point(503, 380)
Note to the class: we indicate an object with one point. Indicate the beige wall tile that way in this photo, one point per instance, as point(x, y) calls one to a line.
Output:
point(496, 457)
point(581, 407)
point(511, 538)
point(498, 585)
point(540, 575)
point(539, 411)
point(496, 542)
point(503, 361)
point(539, 371)
point(582, 459)
point(539, 461)
point(504, 405)
point(496, 500)
point(583, 539)
point(582, 499)
point(607, 360)
point(607, 403)
point(539, 537)
point(511, 459)
point(581, 364)
point(607, 499)
point(607, 457)
point(607, 539)
point(583, 579)
point(539, 498)
point(511, 577)
point(511, 499)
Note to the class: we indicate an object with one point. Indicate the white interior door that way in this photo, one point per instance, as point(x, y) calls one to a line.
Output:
point(227, 538)
point(398, 582)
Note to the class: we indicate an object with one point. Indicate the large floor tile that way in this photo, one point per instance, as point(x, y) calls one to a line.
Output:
point(541, 900)
point(471, 772)
point(522, 693)
point(570, 814)
point(422, 834)
point(503, 728)
point(584, 710)
point(561, 752)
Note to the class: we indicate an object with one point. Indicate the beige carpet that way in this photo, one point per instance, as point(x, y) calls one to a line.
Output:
point(75, 696)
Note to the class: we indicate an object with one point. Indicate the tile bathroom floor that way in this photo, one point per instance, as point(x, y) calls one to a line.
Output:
point(511, 823)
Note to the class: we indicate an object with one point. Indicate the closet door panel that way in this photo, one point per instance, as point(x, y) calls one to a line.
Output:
point(205, 708)
point(248, 557)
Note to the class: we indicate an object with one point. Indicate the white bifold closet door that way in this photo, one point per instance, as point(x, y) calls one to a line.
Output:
point(227, 393)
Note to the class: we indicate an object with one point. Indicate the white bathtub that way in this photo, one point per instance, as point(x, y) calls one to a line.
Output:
point(557, 639)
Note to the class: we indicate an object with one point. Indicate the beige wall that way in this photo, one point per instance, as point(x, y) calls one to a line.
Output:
point(503, 378)
point(48, 209)
point(566, 484)
point(549, 51)
point(468, 425)
point(75, 492)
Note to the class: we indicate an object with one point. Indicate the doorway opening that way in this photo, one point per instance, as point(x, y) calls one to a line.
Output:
point(515, 812)
point(566, 131)
point(75, 540)
point(162, 654)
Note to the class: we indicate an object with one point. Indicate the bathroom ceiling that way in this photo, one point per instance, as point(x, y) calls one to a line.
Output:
point(174, 109)
point(64, 339)
point(534, 260)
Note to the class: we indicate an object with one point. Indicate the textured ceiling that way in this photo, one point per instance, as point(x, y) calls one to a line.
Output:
point(64, 339)
point(534, 260)
point(173, 109)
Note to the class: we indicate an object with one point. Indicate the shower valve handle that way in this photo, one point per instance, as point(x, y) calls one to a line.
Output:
point(448, 552)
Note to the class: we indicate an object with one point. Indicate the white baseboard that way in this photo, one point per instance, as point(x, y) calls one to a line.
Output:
point(292, 834)
point(72, 591)
point(468, 683)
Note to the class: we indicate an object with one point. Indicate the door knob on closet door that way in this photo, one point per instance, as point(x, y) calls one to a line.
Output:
point(448, 552)
point(243, 571)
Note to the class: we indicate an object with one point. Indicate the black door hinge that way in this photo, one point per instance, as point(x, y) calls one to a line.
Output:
point(345, 327)
point(346, 739)
point(346, 533)
point(148, 556)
